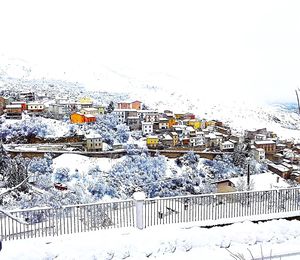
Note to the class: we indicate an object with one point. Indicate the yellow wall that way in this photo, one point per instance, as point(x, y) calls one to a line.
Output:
point(210, 123)
point(195, 123)
point(152, 141)
point(86, 100)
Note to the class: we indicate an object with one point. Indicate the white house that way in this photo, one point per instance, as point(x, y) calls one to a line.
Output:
point(93, 142)
point(147, 128)
point(227, 146)
point(89, 110)
point(35, 107)
point(259, 154)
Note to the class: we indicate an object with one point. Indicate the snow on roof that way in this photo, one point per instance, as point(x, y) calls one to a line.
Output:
point(34, 104)
point(89, 115)
point(263, 181)
point(125, 110)
point(265, 142)
point(167, 137)
point(190, 128)
point(227, 143)
point(147, 123)
point(279, 167)
point(93, 136)
point(152, 136)
point(211, 136)
point(13, 106)
point(90, 109)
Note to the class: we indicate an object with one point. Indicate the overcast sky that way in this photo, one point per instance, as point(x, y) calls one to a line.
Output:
point(228, 46)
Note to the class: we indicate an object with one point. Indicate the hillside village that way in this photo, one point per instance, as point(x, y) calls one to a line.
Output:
point(166, 131)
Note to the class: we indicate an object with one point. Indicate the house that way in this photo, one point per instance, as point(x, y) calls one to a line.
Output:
point(93, 143)
point(13, 112)
point(123, 114)
point(179, 115)
point(101, 109)
point(35, 108)
point(27, 96)
point(189, 116)
point(163, 123)
point(250, 134)
point(148, 115)
point(167, 140)
point(280, 169)
point(212, 140)
point(224, 130)
point(2, 105)
point(196, 124)
point(175, 138)
point(124, 105)
point(77, 118)
point(136, 105)
point(260, 137)
point(152, 141)
point(210, 123)
point(152, 116)
point(89, 110)
point(147, 128)
point(86, 102)
point(258, 182)
point(22, 103)
point(63, 107)
point(268, 145)
point(88, 118)
point(259, 154)
point(227, 146)
point(133, 122)
point(171, 121)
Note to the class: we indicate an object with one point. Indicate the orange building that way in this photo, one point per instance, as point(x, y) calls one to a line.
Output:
point(136, 105)
point(171, 122)
point(77, 118)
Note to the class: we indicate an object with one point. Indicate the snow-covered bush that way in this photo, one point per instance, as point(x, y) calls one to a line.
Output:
point(62, 175)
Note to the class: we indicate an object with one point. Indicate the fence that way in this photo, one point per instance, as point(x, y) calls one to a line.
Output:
point(142, 212)
point(224, 206)
point(67, 220)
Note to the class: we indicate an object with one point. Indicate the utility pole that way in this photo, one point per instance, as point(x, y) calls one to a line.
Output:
point(248, 176)
point(298, 100)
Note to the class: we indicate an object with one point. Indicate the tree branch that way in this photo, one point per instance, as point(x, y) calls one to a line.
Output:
point(15, 187)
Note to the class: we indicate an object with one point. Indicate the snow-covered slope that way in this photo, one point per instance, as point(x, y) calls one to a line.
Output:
point(157, 90)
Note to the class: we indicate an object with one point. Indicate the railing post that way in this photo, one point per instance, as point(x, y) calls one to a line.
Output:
point(139, 198)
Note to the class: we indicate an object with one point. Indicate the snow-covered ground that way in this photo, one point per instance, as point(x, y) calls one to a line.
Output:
point(277, 237)
point(83, 163)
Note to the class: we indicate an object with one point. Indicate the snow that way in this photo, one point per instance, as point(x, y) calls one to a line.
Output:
point(83, 163)
point(165, 242)
point(263, 181)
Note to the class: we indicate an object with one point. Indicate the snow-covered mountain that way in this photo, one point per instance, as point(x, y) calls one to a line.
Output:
point(157, 90)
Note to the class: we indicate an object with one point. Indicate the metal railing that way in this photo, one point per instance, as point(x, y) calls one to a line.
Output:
point(212, 207)
point(47, 221)
point(149, 212)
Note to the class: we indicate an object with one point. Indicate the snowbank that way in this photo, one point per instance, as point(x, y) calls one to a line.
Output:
point(164, 242)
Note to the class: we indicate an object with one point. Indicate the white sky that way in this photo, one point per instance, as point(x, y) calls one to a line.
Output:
point(226, 46)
